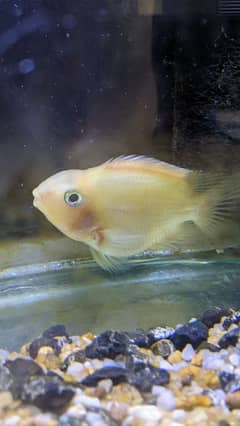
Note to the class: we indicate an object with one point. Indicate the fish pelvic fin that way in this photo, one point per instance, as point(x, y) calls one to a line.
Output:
point(218, 212)
point(109, 263)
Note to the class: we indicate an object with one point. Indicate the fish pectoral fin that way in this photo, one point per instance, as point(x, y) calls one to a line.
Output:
point(126, 243)
point(108, 263)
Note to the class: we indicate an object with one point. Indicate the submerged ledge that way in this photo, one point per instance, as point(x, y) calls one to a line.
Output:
point(167, 290)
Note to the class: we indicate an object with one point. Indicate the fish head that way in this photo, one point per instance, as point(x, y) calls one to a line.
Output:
point(64, 200)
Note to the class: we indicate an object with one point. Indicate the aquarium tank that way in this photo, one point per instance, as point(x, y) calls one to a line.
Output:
point(148, 91)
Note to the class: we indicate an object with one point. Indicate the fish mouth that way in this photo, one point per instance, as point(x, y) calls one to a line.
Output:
point(36, 198)
point(35, 203)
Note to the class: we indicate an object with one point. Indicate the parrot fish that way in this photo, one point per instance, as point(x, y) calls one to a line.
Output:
point(132, 204)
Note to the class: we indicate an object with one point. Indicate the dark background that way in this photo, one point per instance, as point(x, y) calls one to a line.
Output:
point(84, 81)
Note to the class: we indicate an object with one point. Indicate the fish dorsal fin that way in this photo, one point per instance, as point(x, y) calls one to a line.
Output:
point(108, 263)
point(142, 159)
point(134, 158)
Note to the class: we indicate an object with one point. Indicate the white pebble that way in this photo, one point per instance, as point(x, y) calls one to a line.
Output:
point(95, 363)
point(218, 397)
point(199, 416)
point(78, 411)
point(166, 365)
point(179, 415)
point(105, 385)
point(237, 371)
point(77, 397)
point(3, 355)
point(188, 352)
point(213, 363)
point(118, 410)
point(95, 419)
point(229, 368)
point(179, 365)
point(113, 364)
point(43, 419)
point(157, 390)
point(89, 401)
point(76, 340)
point(218, 328)
point(146, 412)
point(224, 353)
point(235, 360)
point(12, 421)
point(75, 370)
point(166, 400)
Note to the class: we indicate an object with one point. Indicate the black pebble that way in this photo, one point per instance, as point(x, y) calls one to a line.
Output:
point(225, 378)
point(230, 338)
point(58, 330)
point(116, 374)
point(78, 356)
point(158, 333)
point(21, 367)
point(227, 322)
point(193, 332)
point(46, 393)
point(232, 386)
point(108, 345)
point(210, 346)
point(6, 378)
point(135, 358)
point(214, 315)
point(43, 341)
point(233, 319)
point(21, 370)
point(139, 338)
point(163, 347)
point(145, 378)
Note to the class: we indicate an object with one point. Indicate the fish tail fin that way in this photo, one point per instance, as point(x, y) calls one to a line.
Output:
point(218, 212)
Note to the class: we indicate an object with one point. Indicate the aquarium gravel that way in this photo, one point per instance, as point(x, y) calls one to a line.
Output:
point(164, 376)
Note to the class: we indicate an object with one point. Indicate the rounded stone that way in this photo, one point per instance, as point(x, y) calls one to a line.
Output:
point(166, 400)
point(57, 330)
point(43, 341)
point(175, 357)
point(103, 388)
point(6, 399)
point(145, 378)
point(22, 367)
point(146, 412)
point(116, 374)
point(233, 400)
point(13, 420)
point(163, 348)
point(230, 338)
point(188, 352)
point(193, 332)
point(117, 410)
point(192, 401)
point(214, 315)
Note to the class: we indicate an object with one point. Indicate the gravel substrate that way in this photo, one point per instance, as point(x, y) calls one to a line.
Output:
point(184, 376)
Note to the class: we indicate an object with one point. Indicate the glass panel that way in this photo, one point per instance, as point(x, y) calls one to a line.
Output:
point(83, 82)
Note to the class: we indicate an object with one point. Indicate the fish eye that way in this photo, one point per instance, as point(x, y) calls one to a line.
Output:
point(73, 198)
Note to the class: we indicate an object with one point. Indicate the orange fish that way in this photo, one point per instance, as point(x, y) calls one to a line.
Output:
point(132, 204)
